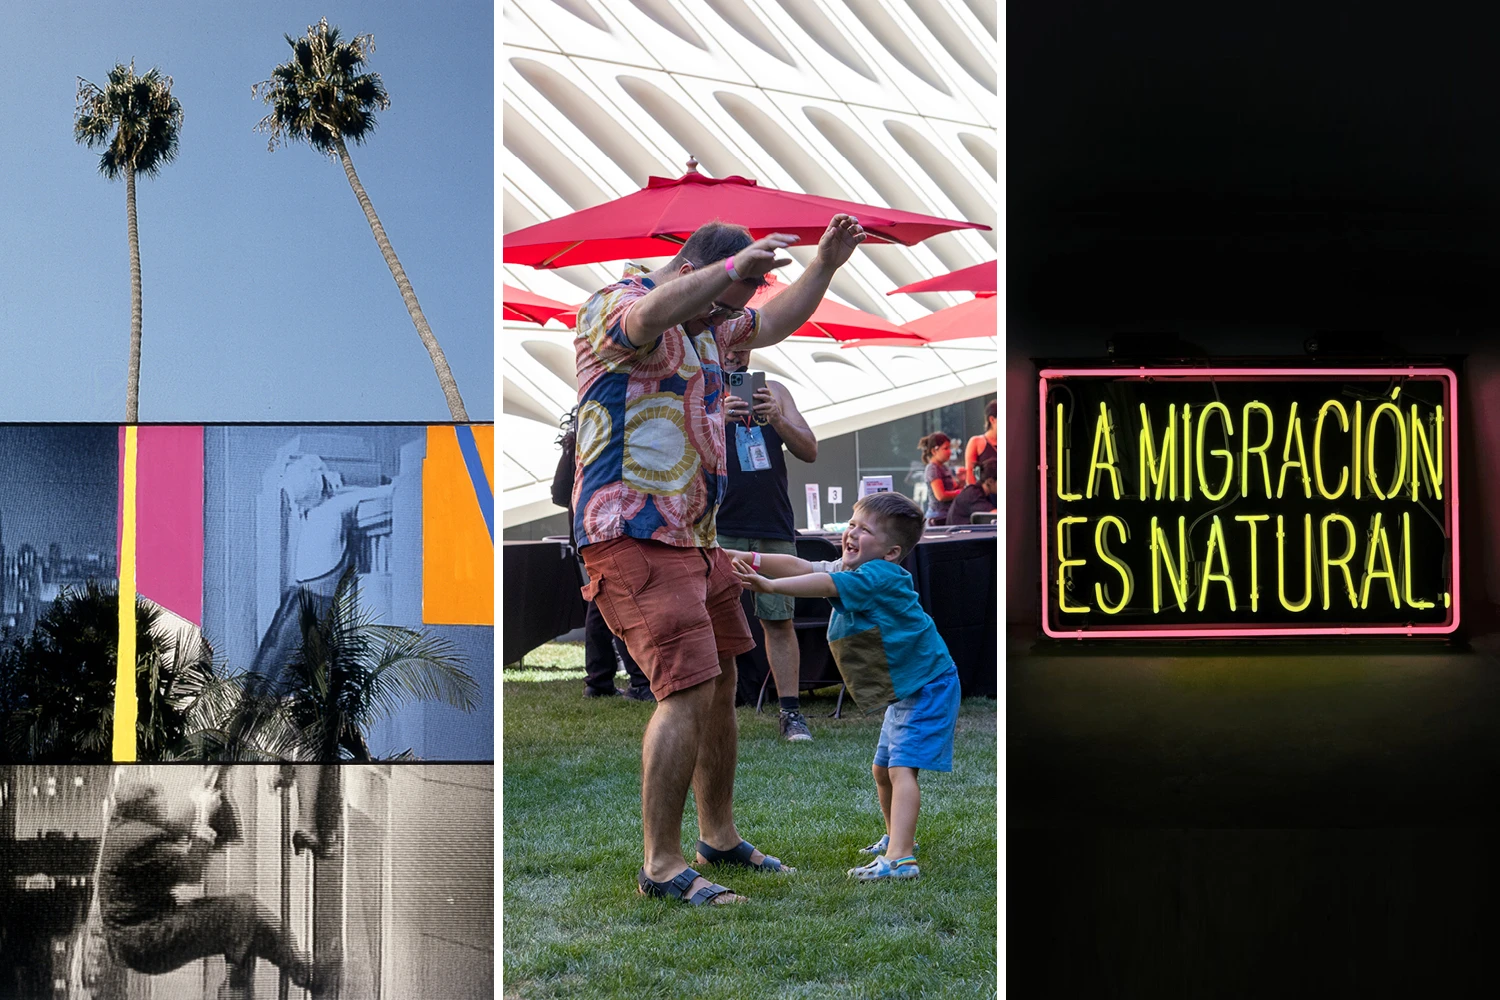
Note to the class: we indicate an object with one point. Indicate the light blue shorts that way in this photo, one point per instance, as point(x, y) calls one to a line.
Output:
point(918, 729)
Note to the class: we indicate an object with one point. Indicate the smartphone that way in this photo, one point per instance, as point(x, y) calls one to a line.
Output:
point(744, 385)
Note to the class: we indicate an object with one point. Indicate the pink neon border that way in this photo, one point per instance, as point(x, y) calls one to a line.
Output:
point(1149, 632)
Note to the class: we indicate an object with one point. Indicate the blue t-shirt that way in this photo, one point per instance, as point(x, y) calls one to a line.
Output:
point(885, 645)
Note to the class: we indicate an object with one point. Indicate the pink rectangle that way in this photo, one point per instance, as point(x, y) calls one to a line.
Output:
point(1197, 374)
point(169, 519)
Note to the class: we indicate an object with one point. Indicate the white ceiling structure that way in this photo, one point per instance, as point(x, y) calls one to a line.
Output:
point(885, 102)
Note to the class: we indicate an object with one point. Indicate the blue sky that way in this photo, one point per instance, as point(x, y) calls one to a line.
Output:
point(265, 296)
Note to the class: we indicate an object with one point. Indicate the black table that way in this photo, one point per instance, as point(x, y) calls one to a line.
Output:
point(542, 599)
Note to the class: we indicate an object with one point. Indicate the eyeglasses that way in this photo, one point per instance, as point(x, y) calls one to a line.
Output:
point(722, 314)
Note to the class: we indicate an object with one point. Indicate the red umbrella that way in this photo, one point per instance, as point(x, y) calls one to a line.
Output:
point(658, 219)
point(974, 318)
point(528, 307)
point(838, 322)
point(981, 278)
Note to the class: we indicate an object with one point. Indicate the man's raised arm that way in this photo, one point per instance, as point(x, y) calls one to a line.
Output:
point(783, 315)
point(692, 295)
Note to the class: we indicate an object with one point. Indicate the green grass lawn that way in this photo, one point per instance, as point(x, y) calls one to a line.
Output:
point(574, 925)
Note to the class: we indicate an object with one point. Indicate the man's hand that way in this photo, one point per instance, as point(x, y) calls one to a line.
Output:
point(735, 408)
point(767, 406)
point(843, 234)
point(759, 258)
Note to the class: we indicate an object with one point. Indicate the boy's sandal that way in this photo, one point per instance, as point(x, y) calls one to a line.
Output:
point(740, 858)
point(884, 868)
point(677, 888)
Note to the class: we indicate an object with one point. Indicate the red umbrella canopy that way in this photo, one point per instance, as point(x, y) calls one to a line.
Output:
point(975, 318)
point(981, 278)
point(528, 307)
point(838, 322)
point(658, 219)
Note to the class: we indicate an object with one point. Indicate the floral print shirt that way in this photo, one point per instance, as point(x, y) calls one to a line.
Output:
point(650, 446)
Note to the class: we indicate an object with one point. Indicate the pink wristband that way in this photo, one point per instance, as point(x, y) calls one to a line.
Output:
point(755, 561)
point(729, 269)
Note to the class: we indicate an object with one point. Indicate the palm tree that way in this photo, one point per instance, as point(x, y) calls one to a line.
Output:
point(350, 672)
point(57, 683)
point(323, 98)
point(136, 119)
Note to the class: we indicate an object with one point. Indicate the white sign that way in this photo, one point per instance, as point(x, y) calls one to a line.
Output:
point(814, 513)
point(875, 484)
point(835, 494)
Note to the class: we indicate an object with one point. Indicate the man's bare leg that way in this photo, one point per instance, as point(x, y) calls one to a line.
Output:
point(670, 757)
point(713, 779)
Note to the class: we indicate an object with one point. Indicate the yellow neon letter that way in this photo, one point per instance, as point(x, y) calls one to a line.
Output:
point(1306, 564)
point(1154, 470)
point(1216, 544)
point(1378, 542)
point(1187, 451)
point(1101, 545)
point(1332, 404)
point(1395, 413)
point(1359, 429)
point(1225, 453)
point(1253, 520)
point(1177, 578)
point(1063, 563)
point(1062, 493)
point(1103, 432)
point(1294, 433)
point(1246, 451)
point(1406, 562)
point(1342, 562)
point(1419, 444)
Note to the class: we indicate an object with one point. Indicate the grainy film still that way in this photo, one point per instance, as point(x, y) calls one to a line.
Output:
point(238, 882)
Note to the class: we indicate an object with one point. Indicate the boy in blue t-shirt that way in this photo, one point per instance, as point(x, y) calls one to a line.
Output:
point(888, 652)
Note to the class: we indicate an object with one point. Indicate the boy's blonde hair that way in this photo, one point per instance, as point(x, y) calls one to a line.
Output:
point(899, 518)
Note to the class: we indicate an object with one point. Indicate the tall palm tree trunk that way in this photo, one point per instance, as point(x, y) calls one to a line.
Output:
point(439, 363)
point(133, 374)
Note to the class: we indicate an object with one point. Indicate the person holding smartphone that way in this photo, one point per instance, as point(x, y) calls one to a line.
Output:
point(757, 516)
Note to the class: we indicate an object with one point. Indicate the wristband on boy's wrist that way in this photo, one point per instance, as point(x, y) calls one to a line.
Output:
point(729, 269)
point(755, 561)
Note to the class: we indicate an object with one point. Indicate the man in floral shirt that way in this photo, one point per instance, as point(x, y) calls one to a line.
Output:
point(650, 475)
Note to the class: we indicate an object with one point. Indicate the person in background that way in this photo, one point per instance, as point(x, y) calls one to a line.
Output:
point(942, 484)
point(604, 655)
point(977, 497)
point(756, 516)
point(983, 447)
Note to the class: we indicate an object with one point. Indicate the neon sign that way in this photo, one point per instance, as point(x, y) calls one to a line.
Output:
point(1248, 502)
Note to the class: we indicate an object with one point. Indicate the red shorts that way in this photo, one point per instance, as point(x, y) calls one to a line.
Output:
point(677, 609)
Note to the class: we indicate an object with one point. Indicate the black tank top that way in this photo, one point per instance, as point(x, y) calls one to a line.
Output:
point(756, 504)
point(988, 453)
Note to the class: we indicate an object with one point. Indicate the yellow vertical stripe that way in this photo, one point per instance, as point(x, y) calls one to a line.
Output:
point(125, 696)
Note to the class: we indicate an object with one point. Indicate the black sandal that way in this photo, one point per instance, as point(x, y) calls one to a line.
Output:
point(740, 858)
point(677, 888)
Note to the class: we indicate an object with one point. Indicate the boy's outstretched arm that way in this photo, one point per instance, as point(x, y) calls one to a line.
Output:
point(803, 585)
point(772, 564)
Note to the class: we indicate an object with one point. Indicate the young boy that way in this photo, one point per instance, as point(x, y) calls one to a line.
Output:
point(888, 652)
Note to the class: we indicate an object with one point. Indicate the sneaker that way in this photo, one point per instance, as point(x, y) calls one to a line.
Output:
point(794, 727)
point(609, 692)
point(883, 867)
point(640, 694)
point(885, 841)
